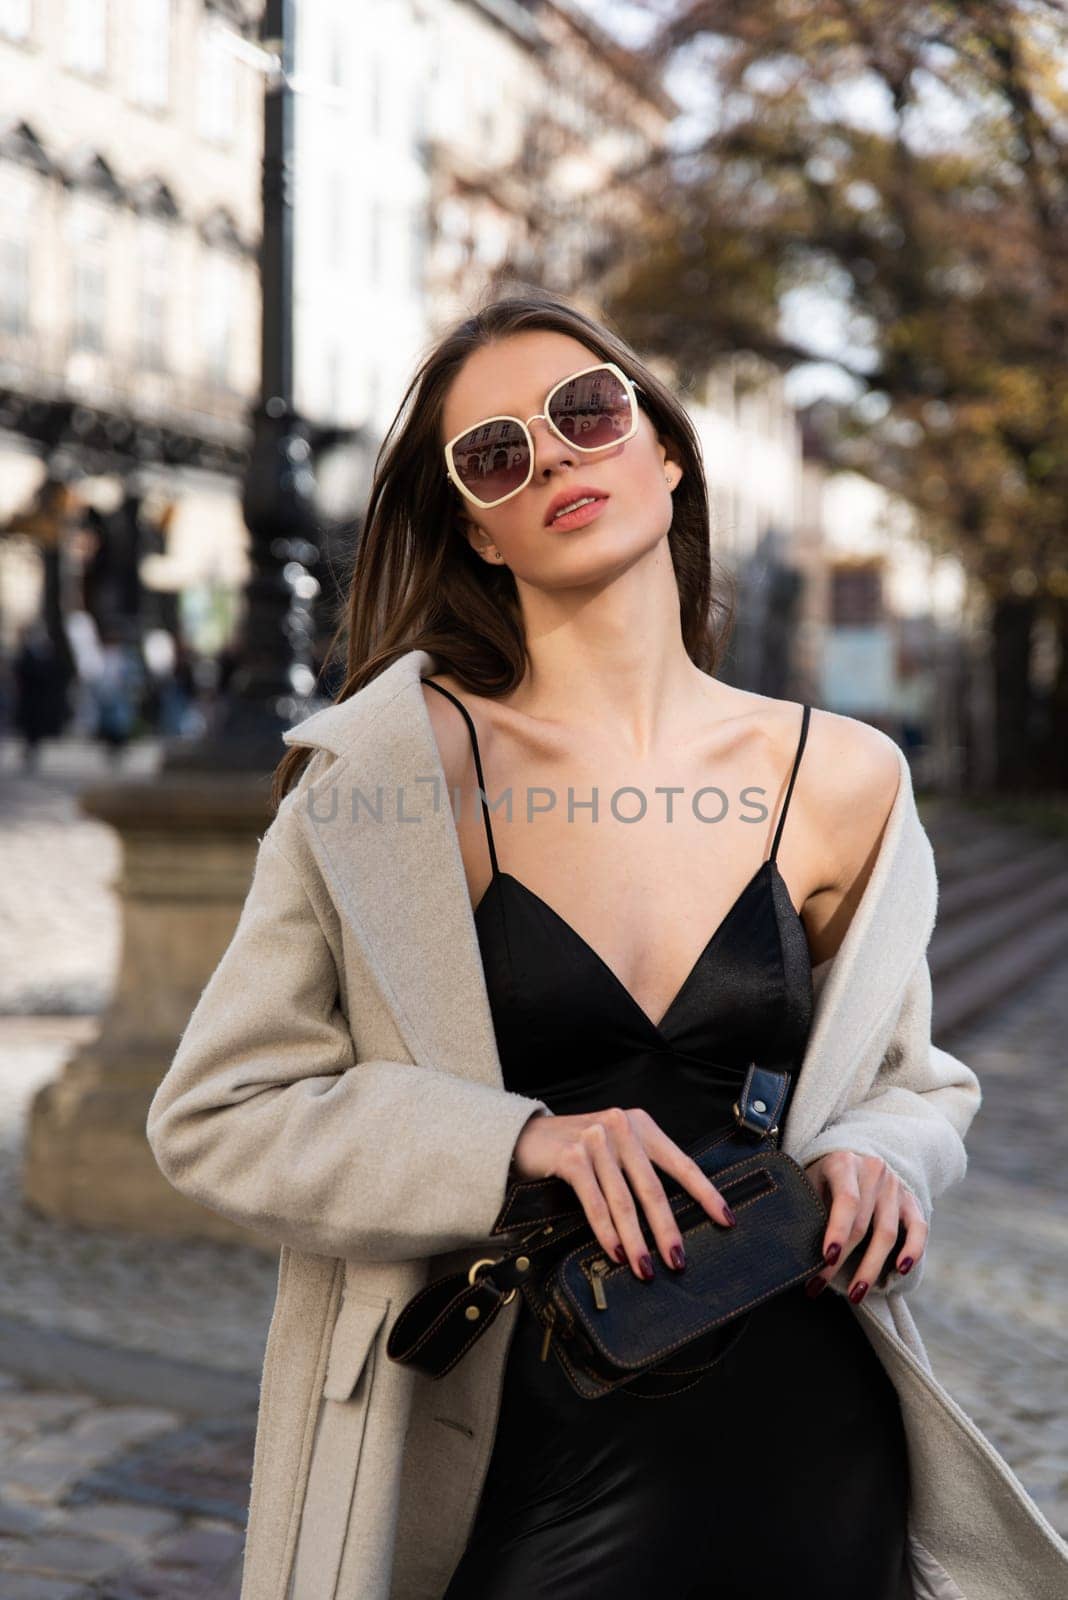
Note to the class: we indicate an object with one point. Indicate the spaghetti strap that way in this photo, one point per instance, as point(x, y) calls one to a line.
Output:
point(478, 765)
point(793, 775)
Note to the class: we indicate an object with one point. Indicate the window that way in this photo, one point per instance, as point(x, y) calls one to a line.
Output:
point(336, 218)
point(417, 250)
point(217, 87)
point(856, 595)
point(152, 298)
point(375, 223)
point(374, 97)
point(17, 193)
point(151, 51)
point(218, 315)
point(336, 52)
point(88, 234)
point(15, 18)
point(85, 36)
point(333, 381)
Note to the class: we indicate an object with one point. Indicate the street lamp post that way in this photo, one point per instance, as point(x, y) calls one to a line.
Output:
point(274, 676)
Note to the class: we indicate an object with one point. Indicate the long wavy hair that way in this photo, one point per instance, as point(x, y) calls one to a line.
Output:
point(416, 582)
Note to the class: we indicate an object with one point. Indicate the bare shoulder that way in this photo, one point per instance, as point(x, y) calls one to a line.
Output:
point(449, 727)
point(852, 772)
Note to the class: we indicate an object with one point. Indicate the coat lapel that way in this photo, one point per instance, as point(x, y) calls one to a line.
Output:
point(381, 826)
point(398, 881)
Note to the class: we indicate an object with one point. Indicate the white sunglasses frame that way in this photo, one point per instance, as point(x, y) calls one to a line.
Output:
point(632, 389)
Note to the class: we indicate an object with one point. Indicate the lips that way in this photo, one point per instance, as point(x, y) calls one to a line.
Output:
point(567, 497)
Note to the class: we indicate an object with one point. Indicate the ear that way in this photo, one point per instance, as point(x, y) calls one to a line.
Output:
point(477, 538)
point(673, 468)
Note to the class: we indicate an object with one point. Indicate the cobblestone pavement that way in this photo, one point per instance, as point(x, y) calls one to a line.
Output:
point(102, 1501)
point(117, 1502)
point(59, 919)
point(200, 1301)
point(993, 1309)
point(110, 1501)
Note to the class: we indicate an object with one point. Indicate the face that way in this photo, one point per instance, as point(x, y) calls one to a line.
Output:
point(512, 378)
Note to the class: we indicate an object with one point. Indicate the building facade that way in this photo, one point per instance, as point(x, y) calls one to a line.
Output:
point(129, 302)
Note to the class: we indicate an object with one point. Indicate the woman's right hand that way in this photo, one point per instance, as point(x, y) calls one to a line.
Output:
point(597, 1152)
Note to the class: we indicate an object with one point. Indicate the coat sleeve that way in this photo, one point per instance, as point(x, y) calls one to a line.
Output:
point(913, 1113)
point(266, 1116)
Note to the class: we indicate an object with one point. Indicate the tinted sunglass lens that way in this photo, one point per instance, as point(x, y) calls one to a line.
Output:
point(492, 460)
point(592, 410)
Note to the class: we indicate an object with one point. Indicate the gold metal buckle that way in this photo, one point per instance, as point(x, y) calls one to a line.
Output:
point(490, 1261)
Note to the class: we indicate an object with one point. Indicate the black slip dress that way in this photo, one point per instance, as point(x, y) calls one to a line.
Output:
point(782, 1473)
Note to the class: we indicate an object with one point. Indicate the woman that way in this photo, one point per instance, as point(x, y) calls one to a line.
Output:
point(580, 1001)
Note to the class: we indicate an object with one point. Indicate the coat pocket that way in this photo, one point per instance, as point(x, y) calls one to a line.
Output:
point(346, 1397)
point(930, 1580)
point(353, 1340)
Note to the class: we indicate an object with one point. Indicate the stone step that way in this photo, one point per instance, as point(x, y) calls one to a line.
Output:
point(980, 938)
point(969, 990)
point(967, 859)
point(56, 1360)
point(1030, 867)
point(950, 823)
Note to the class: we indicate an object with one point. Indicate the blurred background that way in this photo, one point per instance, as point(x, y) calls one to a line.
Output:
point(228, 233)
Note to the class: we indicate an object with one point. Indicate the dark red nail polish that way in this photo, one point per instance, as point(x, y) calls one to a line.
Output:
point(815, 1286)
point(620, 1254)
point(906, 1265)
point(732, 1220)
point(831, 1254)
point(857, 1293)
point(645, 1267)
point(678, 1258)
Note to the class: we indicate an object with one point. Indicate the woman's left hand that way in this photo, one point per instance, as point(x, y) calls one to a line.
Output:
point(862, 1191)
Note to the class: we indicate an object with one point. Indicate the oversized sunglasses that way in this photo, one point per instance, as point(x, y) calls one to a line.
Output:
point(590, 410)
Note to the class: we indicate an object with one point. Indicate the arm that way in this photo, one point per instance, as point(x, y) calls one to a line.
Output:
point(266, 1116)
point(917, 1110)
point(910, 1104)
point(913, 1113)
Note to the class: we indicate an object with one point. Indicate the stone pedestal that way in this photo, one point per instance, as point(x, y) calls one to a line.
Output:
point(189, 844)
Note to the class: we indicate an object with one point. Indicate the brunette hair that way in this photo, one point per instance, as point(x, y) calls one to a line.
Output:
point(416, 582)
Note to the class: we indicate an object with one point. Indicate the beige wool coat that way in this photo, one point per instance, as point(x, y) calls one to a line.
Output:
point(338, 1088)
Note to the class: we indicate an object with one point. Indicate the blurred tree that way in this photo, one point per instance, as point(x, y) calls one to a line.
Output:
point(900, 174)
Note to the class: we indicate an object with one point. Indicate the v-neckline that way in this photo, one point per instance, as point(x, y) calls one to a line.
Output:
point(657, 1028)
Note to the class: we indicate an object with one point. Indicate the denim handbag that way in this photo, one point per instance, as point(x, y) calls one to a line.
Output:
point(605, 1326)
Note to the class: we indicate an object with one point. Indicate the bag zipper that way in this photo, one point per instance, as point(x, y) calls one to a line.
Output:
point(550, 1319)
point(598, 1269)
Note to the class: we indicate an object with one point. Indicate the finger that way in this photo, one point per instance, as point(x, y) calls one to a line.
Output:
point(620, 1200)
point(646, 1185)
point(895, 1252)
point(871, 1178)
point(845, 1199)
point(576, 1166)
point(883, 1238)
point(916, 1233)
point(685, 1170)
point(845, 1228)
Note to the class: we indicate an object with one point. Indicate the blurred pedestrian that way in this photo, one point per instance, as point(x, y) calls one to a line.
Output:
point(41, 679)
point(182, 713)
point(170, 694)
point(115, 689)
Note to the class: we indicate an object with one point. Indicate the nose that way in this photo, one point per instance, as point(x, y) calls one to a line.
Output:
point(549, 449)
